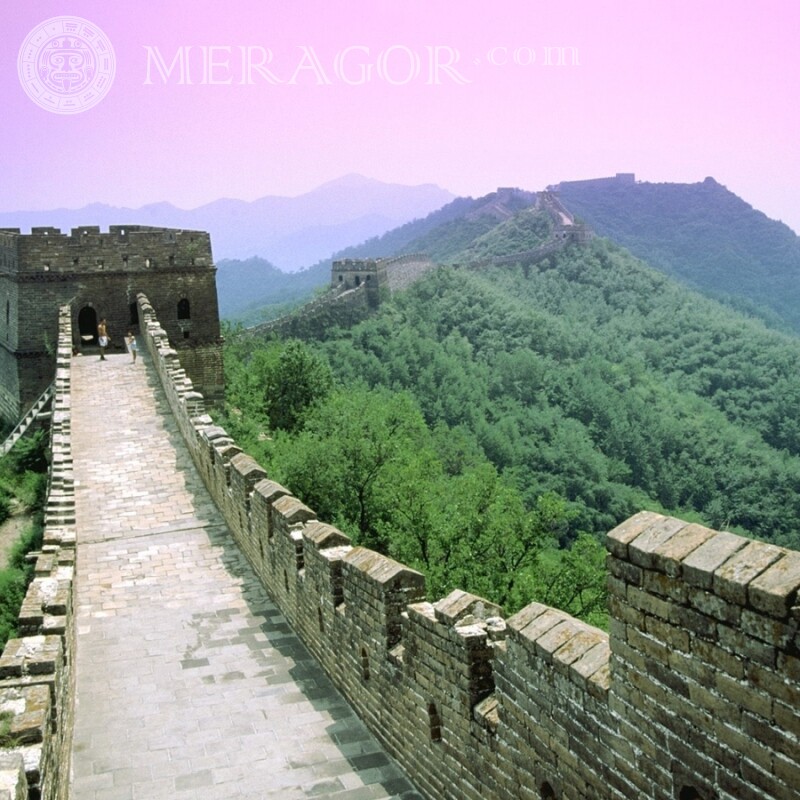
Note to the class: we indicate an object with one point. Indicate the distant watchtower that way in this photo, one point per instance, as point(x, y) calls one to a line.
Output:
point(350, 273)
point(99, 275)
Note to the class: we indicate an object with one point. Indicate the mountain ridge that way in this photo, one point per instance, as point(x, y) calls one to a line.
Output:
point(701, 233)
point(271, 226)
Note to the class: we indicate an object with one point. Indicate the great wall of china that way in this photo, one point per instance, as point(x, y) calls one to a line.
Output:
point(358, 284)
point(693, 693)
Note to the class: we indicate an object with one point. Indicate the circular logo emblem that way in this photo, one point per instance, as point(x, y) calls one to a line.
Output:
point(66, 65)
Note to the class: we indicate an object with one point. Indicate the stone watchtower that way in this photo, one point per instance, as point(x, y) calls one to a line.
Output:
point(351, 273)
point(99, 275)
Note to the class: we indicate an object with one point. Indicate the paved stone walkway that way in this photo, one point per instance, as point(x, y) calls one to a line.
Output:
point(190, 683)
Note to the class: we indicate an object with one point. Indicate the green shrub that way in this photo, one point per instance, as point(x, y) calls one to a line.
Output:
point(31, 491)
point(29, 454)
point(13, 585)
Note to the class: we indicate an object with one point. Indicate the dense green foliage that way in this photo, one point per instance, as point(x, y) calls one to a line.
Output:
point(487, 427)
point(366, 461)
point(23, 482)
point(603, 381)
point(702, 234)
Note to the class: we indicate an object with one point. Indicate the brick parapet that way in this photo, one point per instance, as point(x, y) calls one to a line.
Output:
point(99, 274)
point(692, 693)
point(705, 632)
point(123, 248)
point(36, 677)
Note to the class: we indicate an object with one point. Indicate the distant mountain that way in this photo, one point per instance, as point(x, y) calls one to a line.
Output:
point(594, 377)
point(441, 233)
point(291, 232)
point(254, 290)
point(702, 234)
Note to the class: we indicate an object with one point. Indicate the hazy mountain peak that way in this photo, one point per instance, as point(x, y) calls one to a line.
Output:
point(291, 232)
point(353, 180)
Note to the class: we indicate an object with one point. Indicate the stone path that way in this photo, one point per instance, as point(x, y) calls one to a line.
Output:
point(190, 682)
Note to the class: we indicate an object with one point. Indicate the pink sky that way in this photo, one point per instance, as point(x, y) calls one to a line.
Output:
point(671, 90)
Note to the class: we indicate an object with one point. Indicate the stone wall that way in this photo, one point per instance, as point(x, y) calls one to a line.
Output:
point(620, 179)
point(404, 270)
point(693, 693)
point(337, 308)
point(396, 273)
point(99, 275)
point(36, 678)
point(357, 288)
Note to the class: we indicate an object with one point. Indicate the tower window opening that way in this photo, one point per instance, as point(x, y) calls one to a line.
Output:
point(435, 723)
point(547, 792)
point(364, 664)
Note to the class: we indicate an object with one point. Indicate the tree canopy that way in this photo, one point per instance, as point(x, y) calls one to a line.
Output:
point(489, 427)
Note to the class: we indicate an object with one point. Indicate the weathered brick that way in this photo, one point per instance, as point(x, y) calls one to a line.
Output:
point(624, 572)
point(641, 548)
point(699, 566)
point(775, 590)
point(618, 539)
point(668, 555)
point(732, 578)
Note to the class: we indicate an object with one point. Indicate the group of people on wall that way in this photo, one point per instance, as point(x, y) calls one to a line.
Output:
point(104, 339)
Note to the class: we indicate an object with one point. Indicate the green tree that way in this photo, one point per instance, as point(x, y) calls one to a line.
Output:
point(348, 448)
point(294, 383)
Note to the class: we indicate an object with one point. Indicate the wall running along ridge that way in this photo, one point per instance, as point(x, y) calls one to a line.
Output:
point(692, 694)
point(357, 288)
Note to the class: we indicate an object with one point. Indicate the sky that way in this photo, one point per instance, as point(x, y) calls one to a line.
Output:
point(204, 100)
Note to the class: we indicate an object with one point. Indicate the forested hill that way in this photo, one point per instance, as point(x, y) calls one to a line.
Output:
point(603, 381)
point(702, 234)
point(480, 411)
point(254, 291)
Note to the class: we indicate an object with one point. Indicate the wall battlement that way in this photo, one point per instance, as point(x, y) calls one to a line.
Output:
point(394, 273)
point(36, 676)
point(123, 247)
point(99, 275)
point(693, 693)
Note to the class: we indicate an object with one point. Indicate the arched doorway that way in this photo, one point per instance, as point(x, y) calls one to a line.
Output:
point(87, 325)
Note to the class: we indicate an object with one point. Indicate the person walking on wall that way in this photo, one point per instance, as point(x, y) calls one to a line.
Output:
point(133, 348)
point(103, 338)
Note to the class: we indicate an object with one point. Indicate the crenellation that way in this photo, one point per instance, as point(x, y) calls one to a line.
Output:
point(697, 569)
point(641, 549)
point(775, 591)
point(37, 666)
point(731, 578)
point(245, 473)
point(100, 275)
point(693, 691)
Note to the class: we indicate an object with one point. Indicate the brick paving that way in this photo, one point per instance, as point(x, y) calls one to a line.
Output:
point(190, 682)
